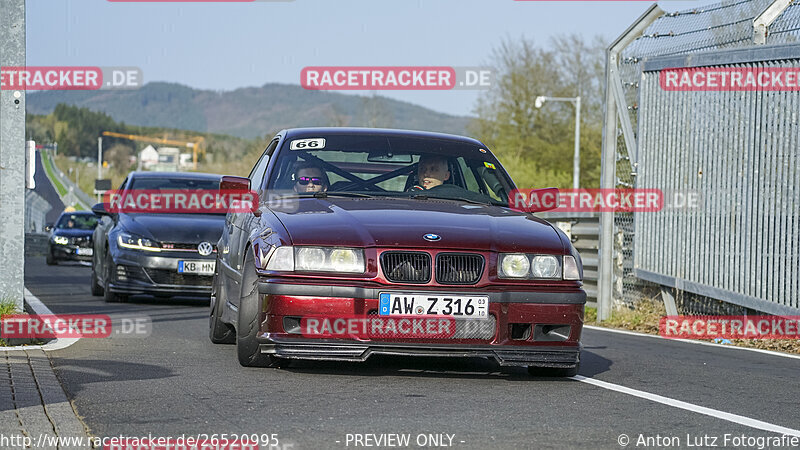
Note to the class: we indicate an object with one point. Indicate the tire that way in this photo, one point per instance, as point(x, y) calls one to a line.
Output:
point(97, 290)
point(109, 296)
point(218, 331)
point(49, 259)
point(552, 372)
point(247, 347)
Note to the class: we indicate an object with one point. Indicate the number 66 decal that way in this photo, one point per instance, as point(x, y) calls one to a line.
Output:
point(307, 144)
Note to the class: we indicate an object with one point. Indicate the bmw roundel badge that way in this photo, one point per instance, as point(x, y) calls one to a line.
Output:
point(432, 237)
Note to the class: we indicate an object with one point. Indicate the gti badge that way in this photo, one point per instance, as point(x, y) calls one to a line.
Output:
point(205, 249)
point(431, 237)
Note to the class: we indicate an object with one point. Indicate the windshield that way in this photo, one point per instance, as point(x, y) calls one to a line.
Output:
point(168, 184)
point(77, 222)
point(369, 165)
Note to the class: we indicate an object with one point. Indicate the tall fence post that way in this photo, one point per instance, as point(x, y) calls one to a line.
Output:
point(12, 156)
point(608, 171)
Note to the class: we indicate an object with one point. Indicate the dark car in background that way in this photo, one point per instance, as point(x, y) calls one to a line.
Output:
point(71, 237)
point(156, 253)
point(355, 239)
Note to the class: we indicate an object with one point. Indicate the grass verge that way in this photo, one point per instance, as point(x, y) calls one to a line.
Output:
point(48, 168)
point(7, 306)
point(648, 312)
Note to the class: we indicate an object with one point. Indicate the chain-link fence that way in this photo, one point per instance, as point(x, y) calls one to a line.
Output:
point(702, 30)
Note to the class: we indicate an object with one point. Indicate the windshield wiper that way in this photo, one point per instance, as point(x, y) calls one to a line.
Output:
point(458, 199)
point(340, 194)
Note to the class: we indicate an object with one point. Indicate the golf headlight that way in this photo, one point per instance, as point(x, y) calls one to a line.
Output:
point(324, 259)
point(571, 271)
point(137, 243)
point(545, 266)
point(62, 240)
point(514, 265)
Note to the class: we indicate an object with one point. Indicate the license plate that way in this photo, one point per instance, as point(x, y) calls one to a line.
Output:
point(398, 304)
point(197, 267)
point(84, 251)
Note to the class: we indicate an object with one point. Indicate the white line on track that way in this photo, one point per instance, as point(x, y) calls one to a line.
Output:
point(690, 341)
point(735, 418)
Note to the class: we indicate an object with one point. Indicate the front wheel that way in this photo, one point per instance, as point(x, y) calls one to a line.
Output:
point(49, 258)
point(218, 331)
point(97, 290)
point(109, 296)
point(249, 320)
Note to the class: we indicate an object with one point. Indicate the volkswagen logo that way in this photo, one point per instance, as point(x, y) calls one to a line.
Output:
point(431, 237)
point(205, 248)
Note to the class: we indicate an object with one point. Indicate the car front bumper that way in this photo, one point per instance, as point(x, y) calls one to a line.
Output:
point(512, 335)
point(62, 252)
point(135, 272)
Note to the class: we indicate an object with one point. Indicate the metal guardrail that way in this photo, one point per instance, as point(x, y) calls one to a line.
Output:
point(36, 244)
point(36, 209)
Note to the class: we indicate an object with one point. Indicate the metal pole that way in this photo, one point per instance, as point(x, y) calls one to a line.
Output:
point(576, 159)
point(99, 161)
point(12, 158)
point(608, 160)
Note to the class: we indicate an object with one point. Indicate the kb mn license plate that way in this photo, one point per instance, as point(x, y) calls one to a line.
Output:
point(197, 267)
point(398, 304)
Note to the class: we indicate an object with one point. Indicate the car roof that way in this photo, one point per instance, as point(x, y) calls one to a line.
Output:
point(76, 213)
point(294, 133)
point(177, 175)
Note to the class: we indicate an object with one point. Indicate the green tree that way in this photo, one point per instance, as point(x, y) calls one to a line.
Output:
point(536, 144)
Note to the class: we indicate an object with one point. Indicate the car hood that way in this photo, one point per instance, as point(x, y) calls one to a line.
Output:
point(381, 222)
point(184, 228)
point(72, 232)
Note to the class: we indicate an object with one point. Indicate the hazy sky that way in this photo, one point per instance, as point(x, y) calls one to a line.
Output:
point(223, 46)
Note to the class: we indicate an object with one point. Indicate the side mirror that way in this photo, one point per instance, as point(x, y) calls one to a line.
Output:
point(534, 200)
point(232, 183)
point(48, 227)
point(240, 184)
point(99, 209)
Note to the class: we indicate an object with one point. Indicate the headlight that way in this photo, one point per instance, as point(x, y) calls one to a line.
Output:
point(571, 271)
point(317, 259)
point(137, 243)
point(514, 265)
point(62, 240)
point(524, 266)
point(282, 259)
point(309, 258)
point(347, 260)
point(545, 266)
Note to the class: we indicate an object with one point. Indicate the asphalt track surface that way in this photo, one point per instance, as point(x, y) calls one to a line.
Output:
point(176, 382)
point(45, 189)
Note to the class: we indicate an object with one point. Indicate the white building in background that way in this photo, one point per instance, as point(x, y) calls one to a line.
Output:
point(148, 158)
point(187, 161)
point(168, 159)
